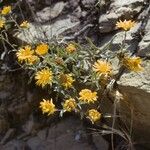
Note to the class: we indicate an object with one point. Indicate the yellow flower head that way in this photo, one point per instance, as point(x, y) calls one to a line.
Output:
point(42, 49)
point(93, 115)
point(6, 10)
point(87, 96)
point(25, 24)
point(102, 67)
point(47, 106)
point(2, 23)
point(133, 63)
point(24, 54)
point(44, 77)
point(66, 80)
point(71, 48)
point(70, 105)
point(125, 25)
point(32, 60)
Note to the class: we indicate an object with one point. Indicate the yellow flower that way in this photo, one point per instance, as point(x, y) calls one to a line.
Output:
point(93, 115)
point(33, 59)
point(133, 63)
point(47, 106)
point(6, 10)
point(2, 23)
point(87, 96)
point(71, 48)
point(44, 77)
point(42, 49)
point(66, 80)
point(24, 24)
point(125, 25)
point(102, 67)
point(70, 105)
point(25, 54)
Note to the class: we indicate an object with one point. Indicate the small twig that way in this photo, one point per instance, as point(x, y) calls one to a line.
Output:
point(7, 42)
point(113, 123)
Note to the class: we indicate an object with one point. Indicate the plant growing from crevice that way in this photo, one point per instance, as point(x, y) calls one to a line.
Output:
point(81, 76)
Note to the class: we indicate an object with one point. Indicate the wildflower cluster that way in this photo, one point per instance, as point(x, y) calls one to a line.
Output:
point(55, 69)
point(66, 68)
point(70, 70)
point(7, 20)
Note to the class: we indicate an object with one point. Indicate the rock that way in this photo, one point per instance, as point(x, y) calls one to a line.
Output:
point(49, 13)
point(84, 13)
point(63, 136)
point(88, 3)
point(125, 3)
point(37, 32)
point(19, 112)
point(42, 134)
point(37, 5)
point(49, 2)
point(135, 106)
point(14, 145)
point(116, 40)
point(4, 125)
point(34, 143)
point(107, 22)
point(127, 8)
point(144, 45)
point(98, 139)
point(69, 125)
point(78, 12)
point(31, 126)
point(103, 5)
point(6, 87)
point(4, 119)
point(138, 80)
point(73, 4)
point(9, 134)
point(61, 133)
point(119, 9)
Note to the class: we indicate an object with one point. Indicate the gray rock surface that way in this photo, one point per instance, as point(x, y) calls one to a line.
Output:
point(107, 22)
point(51, 12)
point(60, 136)
point(135, 88)
point(14, 145)
point(88, 3)
point(116, 39)
point(126, 9)
point(144, 45)
point(39, 32)
point(138, 80)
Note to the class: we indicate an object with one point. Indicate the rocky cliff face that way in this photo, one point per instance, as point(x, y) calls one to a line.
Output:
point(74, 20)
